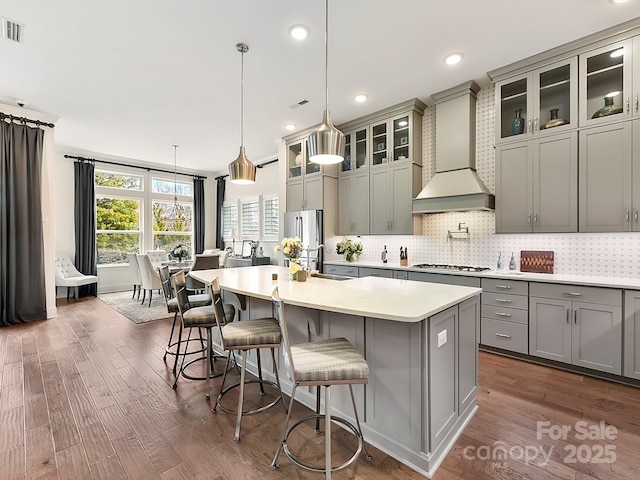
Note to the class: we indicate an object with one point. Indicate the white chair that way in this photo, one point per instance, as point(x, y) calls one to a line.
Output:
point(158, 256)
point(224, 255)
point(68, 276)
point(149, 276)
point(135, 273)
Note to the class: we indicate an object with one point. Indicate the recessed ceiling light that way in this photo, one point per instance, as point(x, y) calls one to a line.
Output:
point(453, 58)
point(299, 32)
point(361, 97)
point(290, 126)
point(617, 53)
point(617, 1)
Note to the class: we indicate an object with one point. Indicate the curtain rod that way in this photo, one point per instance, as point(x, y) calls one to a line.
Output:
point(25, 120)
point(84, 159)
point(257, 166)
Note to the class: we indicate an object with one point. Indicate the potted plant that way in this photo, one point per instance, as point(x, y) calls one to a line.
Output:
point(349, 249)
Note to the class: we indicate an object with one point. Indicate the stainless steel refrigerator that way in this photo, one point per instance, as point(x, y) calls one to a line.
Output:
point(308, 225)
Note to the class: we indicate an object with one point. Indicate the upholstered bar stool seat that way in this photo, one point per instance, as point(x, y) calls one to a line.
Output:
point(323, 363)
point(244, 336)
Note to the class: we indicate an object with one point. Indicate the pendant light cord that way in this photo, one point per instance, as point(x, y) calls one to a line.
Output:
point(326, 54)
point(175, 180)
point(242, 48)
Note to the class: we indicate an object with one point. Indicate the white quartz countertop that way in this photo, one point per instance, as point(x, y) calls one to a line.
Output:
point(587, 280)
point(385, 298)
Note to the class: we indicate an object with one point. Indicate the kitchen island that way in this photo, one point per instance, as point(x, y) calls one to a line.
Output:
point(419, 339)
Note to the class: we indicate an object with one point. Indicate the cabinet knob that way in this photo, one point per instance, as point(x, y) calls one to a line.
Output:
point(635, 217)
point(529, 126)
point(568, 316)
point(535, 124)
point(529, 221)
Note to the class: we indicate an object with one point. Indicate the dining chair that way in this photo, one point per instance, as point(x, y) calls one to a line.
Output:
point(149, 276)
point(243, 336)
point(134, 269)
point(197, 317)
point(67, 275)
point(174, 346)
point(157, 256)
point(322, 363)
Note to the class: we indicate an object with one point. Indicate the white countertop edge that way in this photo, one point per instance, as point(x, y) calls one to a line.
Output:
point(572, 279)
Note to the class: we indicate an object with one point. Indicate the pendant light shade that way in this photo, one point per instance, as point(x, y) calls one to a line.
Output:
point(242, 171)
point(326, 144)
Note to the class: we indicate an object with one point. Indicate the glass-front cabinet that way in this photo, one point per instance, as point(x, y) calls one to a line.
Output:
point(356, 150)
point(391, 140)
point(605, 87)
point(298, 163)
point(540, 102)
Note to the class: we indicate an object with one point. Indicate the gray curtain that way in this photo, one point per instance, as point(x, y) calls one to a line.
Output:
point(219, 201)
point(198, 214)
point(85, 224)
point(22, 282)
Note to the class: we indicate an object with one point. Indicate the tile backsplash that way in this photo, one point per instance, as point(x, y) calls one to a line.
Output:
point(607, 254)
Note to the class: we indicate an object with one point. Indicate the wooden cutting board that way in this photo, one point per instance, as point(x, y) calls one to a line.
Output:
point(536, 261)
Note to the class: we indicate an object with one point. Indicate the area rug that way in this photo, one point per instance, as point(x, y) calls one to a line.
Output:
point(133, 310)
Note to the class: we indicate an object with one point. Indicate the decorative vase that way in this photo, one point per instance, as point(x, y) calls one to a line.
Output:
point(301, 276)
point(299, 159)
point(517, 127)
point(608, 109)
point(348, 257)
point(292, 276)
point(554, 121)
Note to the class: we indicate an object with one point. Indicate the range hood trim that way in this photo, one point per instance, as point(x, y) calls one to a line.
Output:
point(456, 185)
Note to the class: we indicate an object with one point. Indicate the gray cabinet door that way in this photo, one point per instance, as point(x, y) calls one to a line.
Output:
point(380, 201)
point(345, 205)
point(295, 196)
point(555, 184)
point(632, 334)
point(550, 329)
point(605, 178)
point(636, 161)
point(514, 188)
point(360, 201)
point(314, 193)
point(401, 219)
point(596, 337)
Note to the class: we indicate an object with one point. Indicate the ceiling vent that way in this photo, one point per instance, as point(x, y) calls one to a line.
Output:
point(299, 104)
point(12, 30)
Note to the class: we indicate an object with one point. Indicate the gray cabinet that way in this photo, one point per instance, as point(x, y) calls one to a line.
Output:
point(375, 272)
point(504, 319)
point(608, 163)
point(632, 334)
point(577, 325)
point(537, 185)
point(310, 186)
point(353, 204)
point(463, 280)
point(344, 270)
point(534, 96)
point(391, 191)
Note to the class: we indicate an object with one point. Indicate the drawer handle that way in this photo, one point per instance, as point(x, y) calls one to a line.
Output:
point(375, 274)
point(349, 271)
point(504, 286)
point(573, 294)
point(500, 314)
point(502, 300)
point(502, 335)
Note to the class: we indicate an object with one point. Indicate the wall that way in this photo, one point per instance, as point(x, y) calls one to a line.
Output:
point(111, 278)
point(608, 254)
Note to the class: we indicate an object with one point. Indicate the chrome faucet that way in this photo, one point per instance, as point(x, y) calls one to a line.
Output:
point(309, 250)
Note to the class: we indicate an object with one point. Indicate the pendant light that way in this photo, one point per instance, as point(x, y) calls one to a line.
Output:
point(173, 210)
point(326, 145)
point(241, 170)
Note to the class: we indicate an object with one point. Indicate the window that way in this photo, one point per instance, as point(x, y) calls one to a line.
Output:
point(271, 216)
point(250, 218)
point(117, 228)
point(138, 212)
point(229, 219)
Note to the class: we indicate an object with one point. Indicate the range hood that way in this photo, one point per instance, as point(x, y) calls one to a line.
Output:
point(456, 185)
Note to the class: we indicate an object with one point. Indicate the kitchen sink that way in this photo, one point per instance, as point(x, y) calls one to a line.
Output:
point(328, 276)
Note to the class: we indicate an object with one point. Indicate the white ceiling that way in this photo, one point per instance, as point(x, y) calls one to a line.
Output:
point(131, 78)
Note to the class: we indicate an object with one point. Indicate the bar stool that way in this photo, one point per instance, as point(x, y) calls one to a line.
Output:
point(173, 346)
point(246, 335)
point(322, 363)
point(198, 317)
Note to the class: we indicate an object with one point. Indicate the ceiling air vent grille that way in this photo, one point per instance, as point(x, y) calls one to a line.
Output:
point(12, 30)
point(299, 104)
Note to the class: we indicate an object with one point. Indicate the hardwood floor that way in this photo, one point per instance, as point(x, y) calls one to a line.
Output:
point(87, 396)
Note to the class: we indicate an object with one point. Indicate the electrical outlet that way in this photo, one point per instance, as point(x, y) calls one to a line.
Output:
point(442, 338)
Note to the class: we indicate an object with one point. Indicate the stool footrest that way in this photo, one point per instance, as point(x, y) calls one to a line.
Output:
point(337, 420)
point(199, 359)
point(255, 410)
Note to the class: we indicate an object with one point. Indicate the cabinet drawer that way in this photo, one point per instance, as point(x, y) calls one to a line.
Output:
point(346, 270)
point(505, 335)
point(505, 314)
point(603, 296)
point(375, 272)
point(505, 300)
point(499, 285)
point(400, 274)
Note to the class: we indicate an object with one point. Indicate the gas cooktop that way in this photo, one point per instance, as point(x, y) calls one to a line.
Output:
point(458, 268)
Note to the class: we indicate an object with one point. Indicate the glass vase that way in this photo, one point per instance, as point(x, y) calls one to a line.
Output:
point(608, 109)
point(517, 127)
